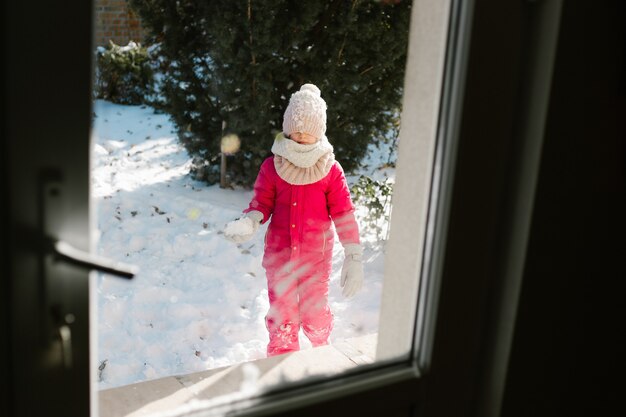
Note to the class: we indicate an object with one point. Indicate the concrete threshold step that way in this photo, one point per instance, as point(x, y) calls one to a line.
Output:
point(166, 395)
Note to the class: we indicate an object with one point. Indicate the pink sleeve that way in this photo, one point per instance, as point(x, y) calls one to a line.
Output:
point(341, 208)
point(264, 191)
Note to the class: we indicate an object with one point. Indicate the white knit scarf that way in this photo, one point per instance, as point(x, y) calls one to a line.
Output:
point(300, 164)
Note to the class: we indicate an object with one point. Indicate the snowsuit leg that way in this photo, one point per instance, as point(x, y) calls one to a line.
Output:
point(298, 295)
point(282, 319)
point(315, 316)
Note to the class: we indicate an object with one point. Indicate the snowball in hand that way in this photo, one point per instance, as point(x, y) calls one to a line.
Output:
point(239, 227)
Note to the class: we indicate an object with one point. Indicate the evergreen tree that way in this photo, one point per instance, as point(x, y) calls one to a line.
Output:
point(230, 67)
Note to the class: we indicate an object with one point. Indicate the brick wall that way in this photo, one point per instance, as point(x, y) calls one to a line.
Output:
point(115, 21)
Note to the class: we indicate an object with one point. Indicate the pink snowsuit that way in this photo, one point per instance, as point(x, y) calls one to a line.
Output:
point(298, 251)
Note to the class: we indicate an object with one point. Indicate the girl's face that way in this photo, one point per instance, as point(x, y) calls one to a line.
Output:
point(303, 138)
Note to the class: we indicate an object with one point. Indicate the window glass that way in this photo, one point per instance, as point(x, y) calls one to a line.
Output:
point(176, 151)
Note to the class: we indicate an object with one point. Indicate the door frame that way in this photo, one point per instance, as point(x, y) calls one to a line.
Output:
point(46, 118)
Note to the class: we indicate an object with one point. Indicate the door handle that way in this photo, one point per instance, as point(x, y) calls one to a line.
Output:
point(51, 211)
point(58, 336)
point(63, 251)
point(56, 312)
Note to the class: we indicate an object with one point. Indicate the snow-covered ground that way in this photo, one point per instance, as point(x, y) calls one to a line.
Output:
point(199, 301)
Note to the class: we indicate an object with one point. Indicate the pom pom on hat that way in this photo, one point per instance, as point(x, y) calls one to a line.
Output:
point(306, 112)
point(312, 88)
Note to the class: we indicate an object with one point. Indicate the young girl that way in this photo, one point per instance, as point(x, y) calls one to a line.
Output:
point(302, 188)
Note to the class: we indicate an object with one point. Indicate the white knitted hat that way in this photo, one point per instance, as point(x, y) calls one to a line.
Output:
point(306, 112)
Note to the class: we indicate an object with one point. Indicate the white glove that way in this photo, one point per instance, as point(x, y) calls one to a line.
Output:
point(352, 270)
point(242, 229)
